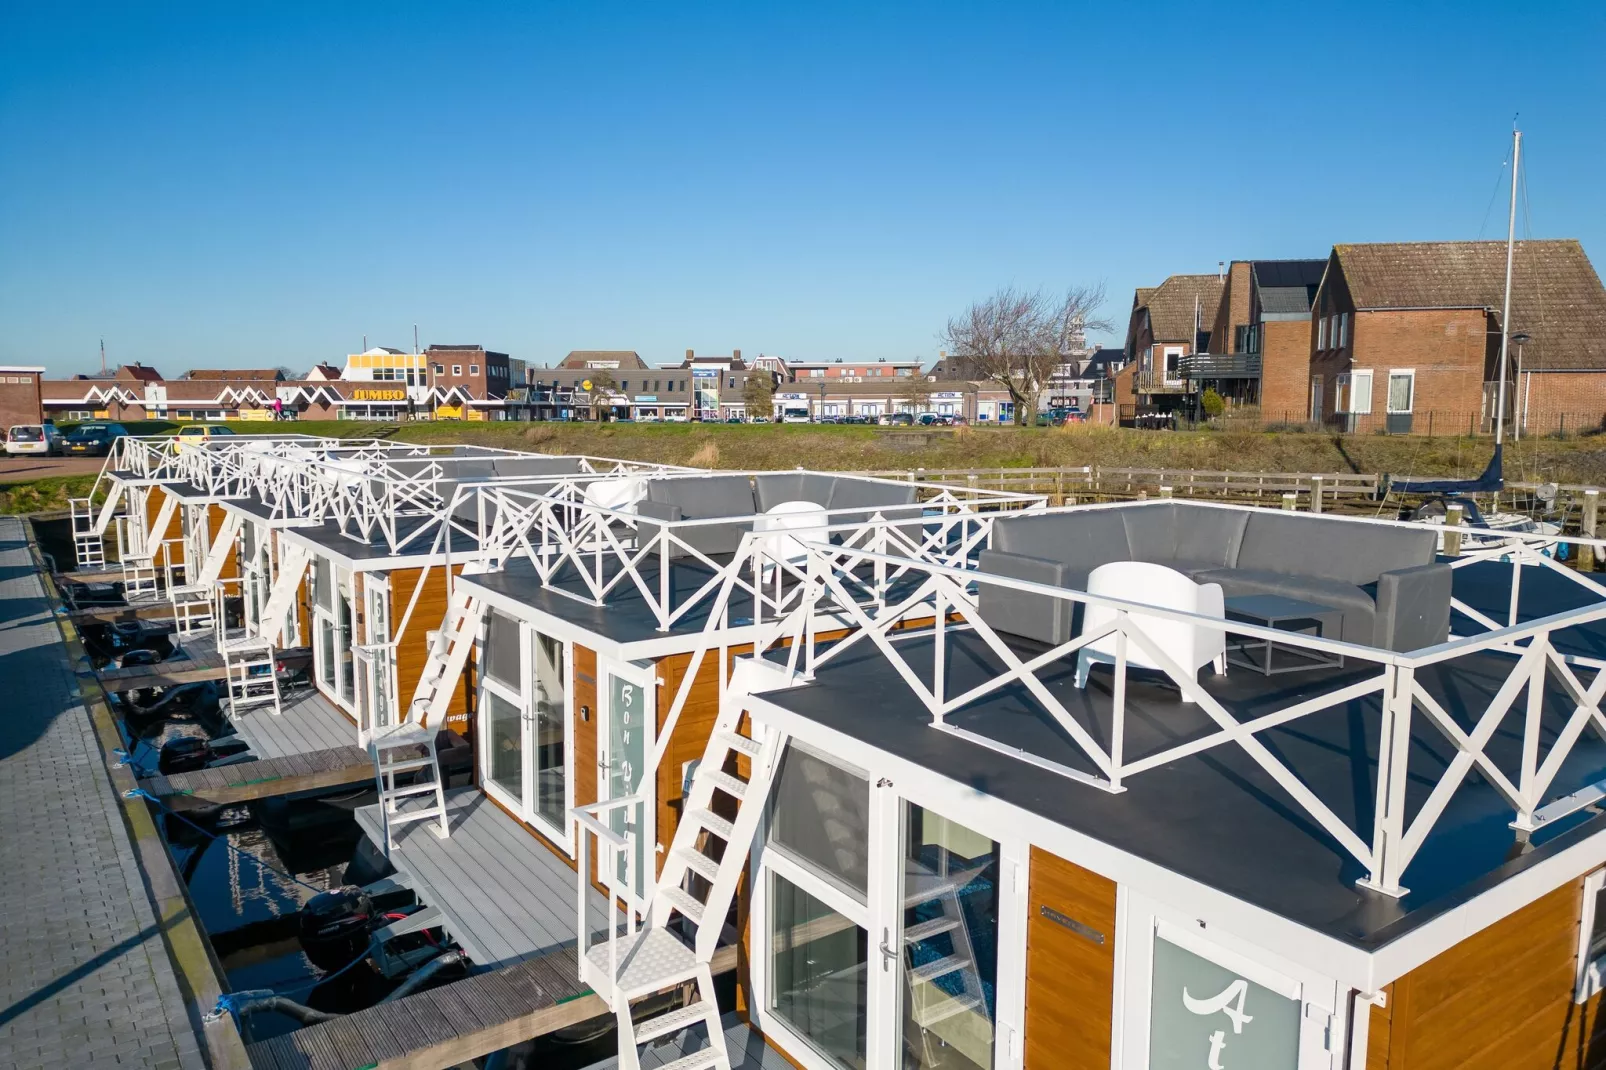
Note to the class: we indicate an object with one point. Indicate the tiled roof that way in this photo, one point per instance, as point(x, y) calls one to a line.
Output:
point(140, 373)
point(1556, 296)
point(578, 358)
point(1172, 305)
point(216, 389)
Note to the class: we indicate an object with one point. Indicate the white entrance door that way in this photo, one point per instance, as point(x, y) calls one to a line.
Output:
point(625, 731)
point(377, 658)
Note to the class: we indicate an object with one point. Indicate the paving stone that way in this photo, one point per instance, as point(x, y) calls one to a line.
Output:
point(87, 980)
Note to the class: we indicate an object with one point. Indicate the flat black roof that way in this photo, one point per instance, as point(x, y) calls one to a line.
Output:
point(1217, 817)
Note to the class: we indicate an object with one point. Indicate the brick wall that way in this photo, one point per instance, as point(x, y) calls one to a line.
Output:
point(1285, 369)
point(1233, 311)
point(1447, 348)
point(19, 399)
point(1567, 401)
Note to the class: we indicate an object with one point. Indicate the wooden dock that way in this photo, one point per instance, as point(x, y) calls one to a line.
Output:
point(199, 662)
point(162, 610)
point(263, 779)
point(450, 1025)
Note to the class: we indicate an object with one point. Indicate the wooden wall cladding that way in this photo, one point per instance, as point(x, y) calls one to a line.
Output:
point(413, 650)
point(1070, 974)
point(214, 524)
point(1499, 1000)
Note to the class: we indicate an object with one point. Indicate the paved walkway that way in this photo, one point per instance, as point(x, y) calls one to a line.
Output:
point(85, 980)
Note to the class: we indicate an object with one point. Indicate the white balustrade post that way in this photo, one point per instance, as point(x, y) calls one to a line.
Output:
point(1393, 759)
point(1528, 784)
point(1118, 710)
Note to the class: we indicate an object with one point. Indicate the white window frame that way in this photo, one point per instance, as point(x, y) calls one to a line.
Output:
point(1357, 398)
point(523, 698)
point(473, 369)
point(457, 369)
point(880, 910)
point(1388, 397)
point(1591, 972)
point(1139, 920)
point(1343, 329)
point(1321, 333)
point(1341, 392)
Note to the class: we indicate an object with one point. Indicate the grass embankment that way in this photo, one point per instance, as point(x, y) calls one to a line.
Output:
point(43, 495)
point(760, 446)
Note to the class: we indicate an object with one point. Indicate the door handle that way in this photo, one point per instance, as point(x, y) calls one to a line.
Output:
point(887, 953)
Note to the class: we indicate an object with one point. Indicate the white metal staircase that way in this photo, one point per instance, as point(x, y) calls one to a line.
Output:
point(698, 883)
point(942, 983)
point(293, 561)
point(394, 749)
point(448, 656)
point(193, 601)
point(89, 549)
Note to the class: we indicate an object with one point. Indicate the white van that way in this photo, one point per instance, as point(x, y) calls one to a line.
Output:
point(795, 414)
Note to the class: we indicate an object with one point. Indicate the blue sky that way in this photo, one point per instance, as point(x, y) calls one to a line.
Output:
point(251, 185)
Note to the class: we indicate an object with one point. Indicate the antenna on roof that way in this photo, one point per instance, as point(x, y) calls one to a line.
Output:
point(415, 338)
point(103, 356)
point(365, 343)
point(1221, 269)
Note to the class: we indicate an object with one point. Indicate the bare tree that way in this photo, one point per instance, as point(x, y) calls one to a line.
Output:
point(1016, 338)
point(758, 394)
point(603, 388)
point(916, 392)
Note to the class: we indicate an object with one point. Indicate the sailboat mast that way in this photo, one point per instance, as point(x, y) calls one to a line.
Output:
point(1505, 310)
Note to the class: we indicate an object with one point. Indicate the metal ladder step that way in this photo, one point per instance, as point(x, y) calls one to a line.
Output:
point(686, 903)
point(699, 863)
point(736, 741)
point(730, 785)
point(408, 791)
point(927, 929)
point(929, 1016)
point(406, 766)
point(402, 817)
point(930, 971)
point(671, 1022)
point(706, 1059)
point(711, 821)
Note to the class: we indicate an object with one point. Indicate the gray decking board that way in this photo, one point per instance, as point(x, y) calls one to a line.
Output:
point(308, 722)
point(261, 780)
point(506, 896)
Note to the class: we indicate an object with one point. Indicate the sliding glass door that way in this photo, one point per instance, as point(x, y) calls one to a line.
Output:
point(524, 724)
point(333, 592)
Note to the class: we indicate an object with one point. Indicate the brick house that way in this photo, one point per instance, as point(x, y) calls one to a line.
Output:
point(1169, 322)
point(1406, 337)
point(1259, 352)
point(21, 401)
point(469, 381)
point(118, 396)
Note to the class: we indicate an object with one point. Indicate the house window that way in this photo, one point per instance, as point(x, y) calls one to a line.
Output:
point(1402, 390)
point(820, 818)
point(1340, 392)
point(457, 369)
point(1592, 937)
point(1321, 333)
point(440, 369)
point(1360, 394)
point(1315, 397)
point(473, 369)
point(1343, 329)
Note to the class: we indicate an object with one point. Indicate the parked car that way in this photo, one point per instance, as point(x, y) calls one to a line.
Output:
point(858, 419)
point(24, 439)
point(94, 440)
point(898, 419)
point(194, 434)
point(795, 415)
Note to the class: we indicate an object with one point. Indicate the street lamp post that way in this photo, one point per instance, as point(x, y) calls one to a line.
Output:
point(1521, 337)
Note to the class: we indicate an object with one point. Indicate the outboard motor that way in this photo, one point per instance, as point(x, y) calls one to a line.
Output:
point(335, 925)
point(183, 754)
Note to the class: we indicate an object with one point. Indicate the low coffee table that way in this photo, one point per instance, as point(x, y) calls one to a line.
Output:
point(1290, 614)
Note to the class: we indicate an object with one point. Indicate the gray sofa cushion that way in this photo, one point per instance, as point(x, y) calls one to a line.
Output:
point(1359, 624)
point(705, 496)
point(872, 496)
point(776, 487)
point(1093, 538)
point(1034, 616)
point(1333, 549)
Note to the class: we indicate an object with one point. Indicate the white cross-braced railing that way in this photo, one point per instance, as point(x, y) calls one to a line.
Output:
point(943, 600)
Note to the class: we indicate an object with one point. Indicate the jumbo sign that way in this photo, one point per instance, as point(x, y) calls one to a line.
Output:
point(379, 395)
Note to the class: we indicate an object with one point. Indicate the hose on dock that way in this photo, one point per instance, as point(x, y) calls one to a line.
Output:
point(424, 973)
point(257, 1000)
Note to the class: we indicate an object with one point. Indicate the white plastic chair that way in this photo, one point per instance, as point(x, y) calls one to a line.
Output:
point(1190, 646)
point(619, 494)
point(784, 517)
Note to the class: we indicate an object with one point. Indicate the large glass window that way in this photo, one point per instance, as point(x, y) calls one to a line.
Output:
point(551, 725)
point(819, 972)
point(505, 727)
point(502, 650)
point(819, 814)
point(950, 943)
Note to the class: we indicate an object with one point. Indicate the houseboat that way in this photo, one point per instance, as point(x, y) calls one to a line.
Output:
point(1159, 784)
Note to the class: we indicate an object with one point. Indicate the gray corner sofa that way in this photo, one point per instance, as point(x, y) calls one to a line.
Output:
point(742, 497)
point(1392, 593)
